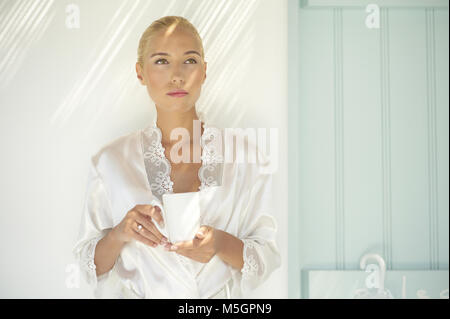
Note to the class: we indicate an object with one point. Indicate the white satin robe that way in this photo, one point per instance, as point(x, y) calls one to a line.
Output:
point(234, 197)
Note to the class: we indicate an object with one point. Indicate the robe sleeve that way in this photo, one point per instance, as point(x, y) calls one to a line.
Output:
point(258, 230)
point(96, 222)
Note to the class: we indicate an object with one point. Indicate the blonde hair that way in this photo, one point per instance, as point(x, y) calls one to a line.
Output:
point(163, 24)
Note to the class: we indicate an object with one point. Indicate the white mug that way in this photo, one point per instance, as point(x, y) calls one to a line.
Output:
point(181, 215)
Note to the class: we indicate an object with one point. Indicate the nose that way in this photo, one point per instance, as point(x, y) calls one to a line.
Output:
point(177, 77)
point(177, 80)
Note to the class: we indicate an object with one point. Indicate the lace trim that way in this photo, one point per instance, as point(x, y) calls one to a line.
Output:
point(252, 265)
point(87, 259)
point(158, 166)
point(210, 171)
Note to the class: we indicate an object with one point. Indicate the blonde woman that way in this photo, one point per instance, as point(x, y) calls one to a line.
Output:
point(123, 245)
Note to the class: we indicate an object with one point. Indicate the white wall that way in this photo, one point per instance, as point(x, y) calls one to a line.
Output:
point(66, 92)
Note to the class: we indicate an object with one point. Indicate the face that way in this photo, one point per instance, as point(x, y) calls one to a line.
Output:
point(172, 70)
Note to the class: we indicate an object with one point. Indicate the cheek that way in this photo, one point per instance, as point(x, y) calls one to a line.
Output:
point(199, 75)
point(156, 78)
point(196, 77)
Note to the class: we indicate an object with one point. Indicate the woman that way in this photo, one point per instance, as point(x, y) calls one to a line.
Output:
point(123, 245)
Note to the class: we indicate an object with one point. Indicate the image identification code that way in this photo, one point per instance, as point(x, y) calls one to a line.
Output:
point(232, 308)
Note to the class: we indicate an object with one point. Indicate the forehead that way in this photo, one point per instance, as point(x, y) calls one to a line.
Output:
point(174, 41)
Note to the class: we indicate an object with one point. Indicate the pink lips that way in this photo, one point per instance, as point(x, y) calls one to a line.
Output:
point(177, 93)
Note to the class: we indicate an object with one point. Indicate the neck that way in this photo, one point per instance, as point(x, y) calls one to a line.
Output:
point(169, 120)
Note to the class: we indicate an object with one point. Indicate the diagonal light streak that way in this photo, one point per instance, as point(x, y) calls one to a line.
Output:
point(27, 33)
point(13, 17)
point(23, 30)
point(233, 79)
point(230, 33)
point(169, 8)
point(222, 15)
point(6, 11)
point(72, 99)
point(100, 109)
point(228, 39)
point(128, 81)
point(18, 59)
point(200, 13)
point(20, 22)
point(3, 10)
point(113, 22)
point(211, 93)
point(7, 32)
point(212, 17)
point(203, 14)
point(230, 48)
point(94, 75)
point(118, 47)
point(186, 8)
point(218, 37)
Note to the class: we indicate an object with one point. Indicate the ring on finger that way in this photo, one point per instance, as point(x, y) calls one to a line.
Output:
point(139, 227)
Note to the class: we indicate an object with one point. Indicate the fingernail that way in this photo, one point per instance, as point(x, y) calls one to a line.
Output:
point(173, 247)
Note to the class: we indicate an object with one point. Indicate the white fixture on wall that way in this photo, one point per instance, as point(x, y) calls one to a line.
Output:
point(375, 281)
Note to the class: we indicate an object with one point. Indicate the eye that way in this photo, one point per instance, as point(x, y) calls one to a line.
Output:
point(156, 62)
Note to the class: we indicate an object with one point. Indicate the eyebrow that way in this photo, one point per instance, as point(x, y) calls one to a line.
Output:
point(164, 53)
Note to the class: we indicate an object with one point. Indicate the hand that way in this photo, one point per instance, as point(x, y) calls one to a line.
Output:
point(202, 248)
point(141, 215)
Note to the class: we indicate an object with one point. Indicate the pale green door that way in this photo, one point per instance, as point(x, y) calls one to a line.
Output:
point(368, 148)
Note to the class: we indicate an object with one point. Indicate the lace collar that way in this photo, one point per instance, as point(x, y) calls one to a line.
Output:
point(158, 167)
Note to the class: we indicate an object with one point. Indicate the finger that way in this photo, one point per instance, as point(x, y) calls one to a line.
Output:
point(200, 236)
point(149, 235)
point(157, 215)
point(143, 239)
point(188, 244)
point(148, 224)
point(153, 211)
point(201, 233)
